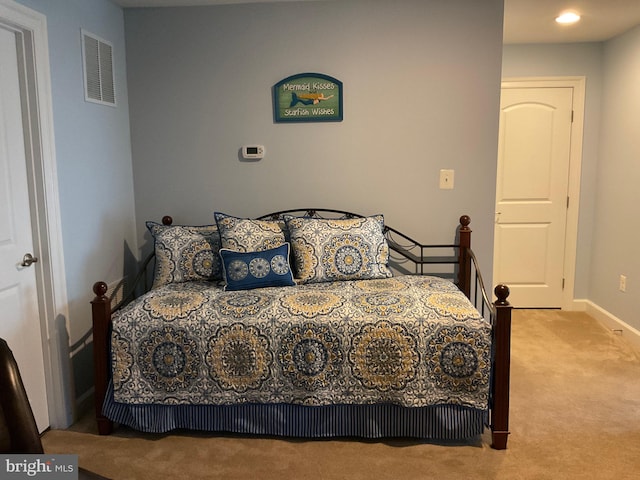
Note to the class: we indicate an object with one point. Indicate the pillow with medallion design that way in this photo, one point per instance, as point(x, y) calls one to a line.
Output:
point(327, 250)
point(247, 235)
point(185, 253)
point(248, 270)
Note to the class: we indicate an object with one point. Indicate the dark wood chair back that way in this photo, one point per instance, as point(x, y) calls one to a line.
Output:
point(18, 430)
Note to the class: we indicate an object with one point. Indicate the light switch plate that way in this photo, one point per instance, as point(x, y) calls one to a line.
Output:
point(446, 179)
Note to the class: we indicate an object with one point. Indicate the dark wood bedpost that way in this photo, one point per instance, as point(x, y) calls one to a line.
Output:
point(101, 313)
point(501, 369)
point(464, 259)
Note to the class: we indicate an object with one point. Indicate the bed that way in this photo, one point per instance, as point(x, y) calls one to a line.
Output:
point(305, 323)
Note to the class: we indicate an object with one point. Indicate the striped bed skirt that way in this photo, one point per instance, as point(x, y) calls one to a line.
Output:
point(439, 422)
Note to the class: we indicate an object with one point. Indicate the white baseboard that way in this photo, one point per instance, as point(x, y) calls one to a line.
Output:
point(579, 305)
point(631, 334)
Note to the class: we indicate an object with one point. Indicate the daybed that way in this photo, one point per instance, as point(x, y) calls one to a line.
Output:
point(365, 342)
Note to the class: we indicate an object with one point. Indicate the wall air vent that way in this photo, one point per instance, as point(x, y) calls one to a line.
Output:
point(99, 85)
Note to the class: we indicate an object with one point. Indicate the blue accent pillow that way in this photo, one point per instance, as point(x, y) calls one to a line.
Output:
point(248, 270)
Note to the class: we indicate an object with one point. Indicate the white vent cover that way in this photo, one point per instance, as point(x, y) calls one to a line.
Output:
point(99, 85)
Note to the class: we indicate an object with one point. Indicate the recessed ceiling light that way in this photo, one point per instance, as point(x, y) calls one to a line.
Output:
point(568, 17)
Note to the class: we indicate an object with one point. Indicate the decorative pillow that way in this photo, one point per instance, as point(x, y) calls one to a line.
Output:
point(247, 270)
point(344, 249)
point(245, 235)
point(185, 253)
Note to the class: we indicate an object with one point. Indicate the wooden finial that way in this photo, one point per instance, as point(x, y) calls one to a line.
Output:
point(465, 220)
point(502, 292)
point(167, 220)
point(100, 289)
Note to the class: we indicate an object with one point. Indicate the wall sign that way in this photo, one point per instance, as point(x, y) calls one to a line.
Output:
point(308, 97)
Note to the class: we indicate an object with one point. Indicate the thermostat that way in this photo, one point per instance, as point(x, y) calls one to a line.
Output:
point(253, 151)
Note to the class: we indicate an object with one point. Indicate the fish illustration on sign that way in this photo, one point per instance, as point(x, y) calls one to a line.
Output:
point(311, 98)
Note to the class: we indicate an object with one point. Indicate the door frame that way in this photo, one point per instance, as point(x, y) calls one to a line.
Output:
point(33, 60)
point(575, 167)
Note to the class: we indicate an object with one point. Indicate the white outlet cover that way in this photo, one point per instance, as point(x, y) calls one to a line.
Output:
point(446, 179)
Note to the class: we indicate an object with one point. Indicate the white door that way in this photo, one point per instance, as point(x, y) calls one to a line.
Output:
point(531, 194)
point(19, 315)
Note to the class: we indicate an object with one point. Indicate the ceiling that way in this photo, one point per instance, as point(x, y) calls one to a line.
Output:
point(532, 21)
point(526, 21)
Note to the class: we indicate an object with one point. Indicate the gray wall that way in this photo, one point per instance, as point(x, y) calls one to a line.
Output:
point(615, 236)
point(421, 93)
point(579, 59)
point(200, 82)
point(93, 153)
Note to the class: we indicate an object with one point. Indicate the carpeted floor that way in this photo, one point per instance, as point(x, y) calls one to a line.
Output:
point(575, 414)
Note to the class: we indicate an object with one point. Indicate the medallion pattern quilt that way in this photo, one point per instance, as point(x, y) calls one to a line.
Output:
point(413, 341)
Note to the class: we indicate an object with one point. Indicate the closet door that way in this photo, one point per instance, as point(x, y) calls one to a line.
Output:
point(531, 194)
point(19, 307)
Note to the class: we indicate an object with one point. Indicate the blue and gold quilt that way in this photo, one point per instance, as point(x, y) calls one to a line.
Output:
point(413, 341)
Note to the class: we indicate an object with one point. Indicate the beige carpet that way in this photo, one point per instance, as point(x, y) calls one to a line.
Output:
point(575, 398)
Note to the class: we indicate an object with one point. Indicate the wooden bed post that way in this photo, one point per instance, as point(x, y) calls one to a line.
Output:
point(464, 259)
point(501, 369)
point(101, 313)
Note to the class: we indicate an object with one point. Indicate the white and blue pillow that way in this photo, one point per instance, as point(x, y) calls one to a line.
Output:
point(249, 270)
point(327, 250)
point(185, 253)
point(247, 235)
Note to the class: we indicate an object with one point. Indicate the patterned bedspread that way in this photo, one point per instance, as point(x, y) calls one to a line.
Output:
point(410, 340)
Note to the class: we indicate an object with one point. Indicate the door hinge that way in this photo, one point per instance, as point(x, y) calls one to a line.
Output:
point(563, 284)
point(572, 116)
point(567, 202)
